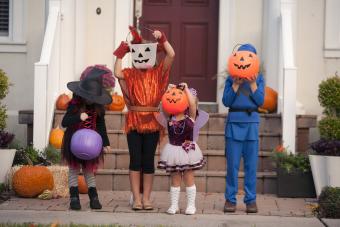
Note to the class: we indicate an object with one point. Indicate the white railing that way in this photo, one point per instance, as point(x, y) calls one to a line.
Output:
point(287, 89)
point(46, 79)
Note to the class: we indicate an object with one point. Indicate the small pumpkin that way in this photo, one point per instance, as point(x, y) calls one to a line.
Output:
point(270, 100)
point(56, 137)
point(117, 103)
point(62, 102)
point(82, 186)
point(243, 64)
point(175, 101)
point(31, 181)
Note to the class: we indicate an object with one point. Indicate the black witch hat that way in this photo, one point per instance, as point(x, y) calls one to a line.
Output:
point(91, 88)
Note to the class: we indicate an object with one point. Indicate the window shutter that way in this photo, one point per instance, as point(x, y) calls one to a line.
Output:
point(4, 17)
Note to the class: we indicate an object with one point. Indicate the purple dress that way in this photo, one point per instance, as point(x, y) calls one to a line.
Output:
point(181, 153)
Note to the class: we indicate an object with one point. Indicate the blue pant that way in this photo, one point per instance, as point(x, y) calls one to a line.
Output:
point(236, 149)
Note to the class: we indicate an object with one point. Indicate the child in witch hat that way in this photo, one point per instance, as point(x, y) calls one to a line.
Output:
point(85, 110)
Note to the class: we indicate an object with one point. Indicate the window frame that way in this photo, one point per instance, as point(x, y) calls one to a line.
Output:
point(15, 41)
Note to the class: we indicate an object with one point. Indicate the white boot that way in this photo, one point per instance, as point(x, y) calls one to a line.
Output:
point(191, 196)
point(174, 197)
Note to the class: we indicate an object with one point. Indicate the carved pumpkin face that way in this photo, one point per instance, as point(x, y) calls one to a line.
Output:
point(243, 64)
point(175, 101)
point(143, 55)
point(117, 103)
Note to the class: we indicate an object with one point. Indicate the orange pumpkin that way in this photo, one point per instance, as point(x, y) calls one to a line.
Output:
point(56, 137)
point(117, 103)
point(243, 64)
point(175, 101)
point(82, 186)
point(31, 181)
point(62, 102)
point(270, 100)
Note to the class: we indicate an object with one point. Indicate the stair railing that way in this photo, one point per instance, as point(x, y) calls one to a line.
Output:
point(46, 78)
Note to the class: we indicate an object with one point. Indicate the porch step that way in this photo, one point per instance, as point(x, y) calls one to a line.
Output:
point(206, 181)
point(207, 140)
point(216, 161)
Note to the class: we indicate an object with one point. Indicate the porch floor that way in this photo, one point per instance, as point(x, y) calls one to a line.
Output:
point(206, 203)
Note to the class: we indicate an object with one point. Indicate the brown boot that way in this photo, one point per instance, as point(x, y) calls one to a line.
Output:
point(229, 207)
point(251, 208)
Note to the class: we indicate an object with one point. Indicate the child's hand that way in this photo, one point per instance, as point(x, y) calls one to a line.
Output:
point(171, 86)
point(121, 50)
point(159, 36)
point(251, 79)
point(185, 85)
point(83, 116)
point(106, 149)
point(238, 80)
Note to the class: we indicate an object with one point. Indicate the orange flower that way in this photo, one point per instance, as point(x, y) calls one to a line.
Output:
point(279, 148)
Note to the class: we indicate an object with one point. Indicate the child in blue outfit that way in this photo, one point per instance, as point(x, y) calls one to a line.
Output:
point(243, 97)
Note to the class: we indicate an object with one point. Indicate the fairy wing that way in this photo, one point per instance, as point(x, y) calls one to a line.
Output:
point(161, 118)
point(200, 121)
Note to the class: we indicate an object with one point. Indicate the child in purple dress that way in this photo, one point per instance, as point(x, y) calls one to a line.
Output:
point(181, 155)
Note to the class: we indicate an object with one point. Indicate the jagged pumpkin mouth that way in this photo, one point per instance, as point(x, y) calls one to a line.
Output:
point(141, 61)
point(173, 100)
point(242, 66)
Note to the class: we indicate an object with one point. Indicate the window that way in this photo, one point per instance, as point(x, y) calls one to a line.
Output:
point(4, 17)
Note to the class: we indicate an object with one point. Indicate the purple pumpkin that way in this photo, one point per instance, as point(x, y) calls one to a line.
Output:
point(86, 144)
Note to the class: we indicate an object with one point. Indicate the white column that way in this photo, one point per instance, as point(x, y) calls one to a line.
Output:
point(80, 11)
point(271, 42)
point(225, 46)
point(288, 9)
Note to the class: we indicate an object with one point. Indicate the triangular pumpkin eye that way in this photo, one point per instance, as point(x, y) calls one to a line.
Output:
point(147, 49)
point(235, 55)
point(250, 55)
point(133, 51)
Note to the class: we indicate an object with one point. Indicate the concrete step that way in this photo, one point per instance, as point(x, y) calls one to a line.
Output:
point(208, 140)
point(270, 123)
point(206, 181)
point(216, 161)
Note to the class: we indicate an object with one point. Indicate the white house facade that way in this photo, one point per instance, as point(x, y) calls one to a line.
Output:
point(50, 42)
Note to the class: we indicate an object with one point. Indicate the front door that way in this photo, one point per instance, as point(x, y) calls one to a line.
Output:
point(191, 26)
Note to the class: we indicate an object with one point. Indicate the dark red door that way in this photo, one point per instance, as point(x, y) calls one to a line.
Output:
point(191, 27)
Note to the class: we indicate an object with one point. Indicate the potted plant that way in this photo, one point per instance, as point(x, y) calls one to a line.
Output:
point(6, 154)
point(294, 177)
point(329, 203)
point(325, 160)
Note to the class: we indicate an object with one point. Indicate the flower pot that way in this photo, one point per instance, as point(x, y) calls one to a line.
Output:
point(295, 184)
point(333, 170)
point(318, 165)
point(6, 161)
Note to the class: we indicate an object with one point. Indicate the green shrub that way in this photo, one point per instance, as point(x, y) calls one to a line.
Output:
point(4, 84)
point(290, 162)
point(329, 203)
point(330, 128)
point(329, 95)
point(52, 155)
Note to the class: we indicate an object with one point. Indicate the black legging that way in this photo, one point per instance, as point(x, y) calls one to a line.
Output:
point(142, 148)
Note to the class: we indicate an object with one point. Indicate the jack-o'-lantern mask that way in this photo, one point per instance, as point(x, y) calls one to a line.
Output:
point(175, 101)
point(243, 64)
point(143, 55)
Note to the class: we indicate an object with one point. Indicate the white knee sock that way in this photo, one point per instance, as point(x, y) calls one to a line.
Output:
point(191, 196)
point(174, 197)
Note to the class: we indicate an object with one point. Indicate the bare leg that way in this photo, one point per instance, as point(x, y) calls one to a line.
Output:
point(147, 187)
point(176, 179)
point(135, 186)
point(189, 178)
